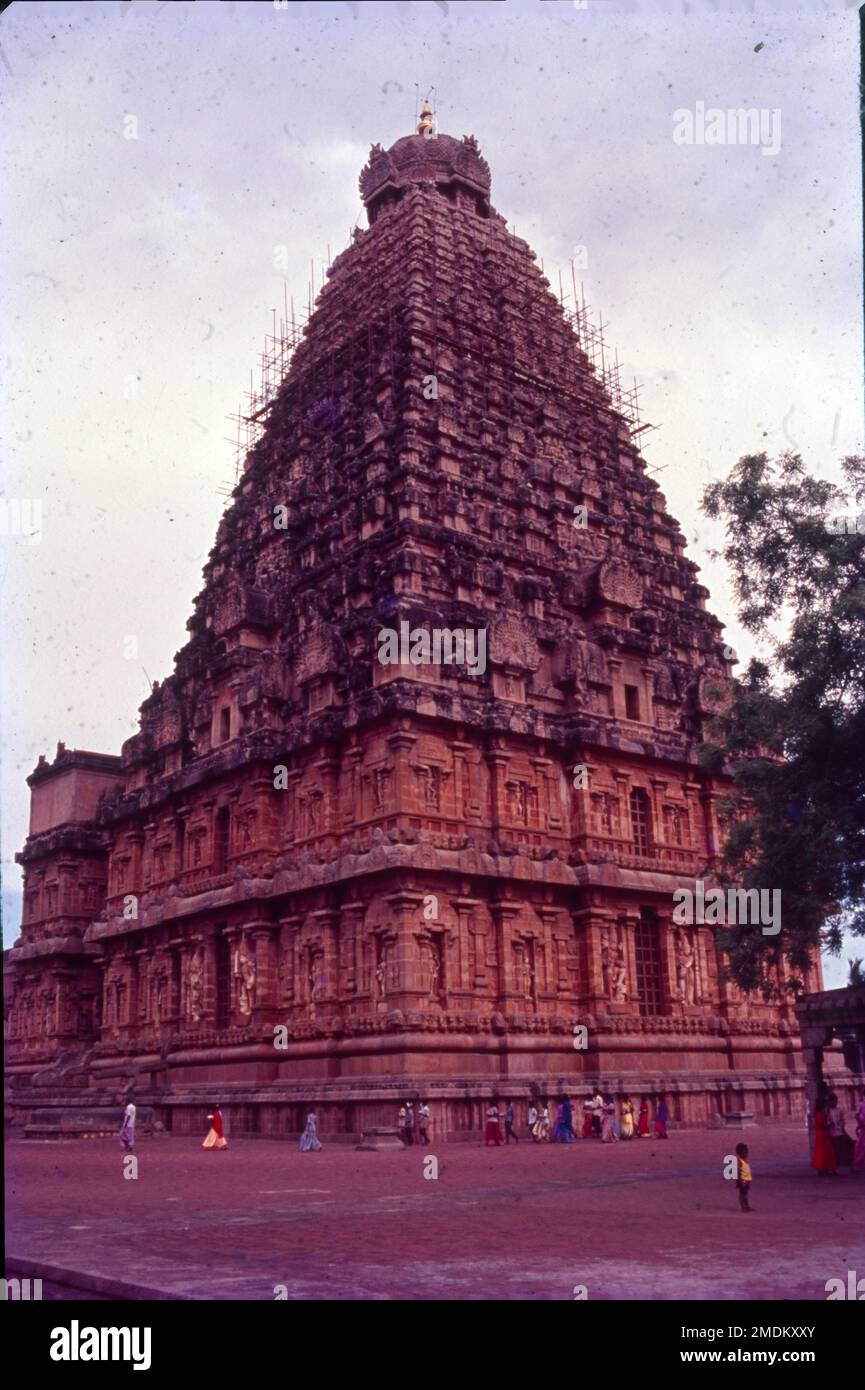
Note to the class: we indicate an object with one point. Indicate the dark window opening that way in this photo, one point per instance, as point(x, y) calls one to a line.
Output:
point(632, 702)
point(641, 821)
point(225, 724)
point(220, 847)
point(223, 980)
point(648, 952)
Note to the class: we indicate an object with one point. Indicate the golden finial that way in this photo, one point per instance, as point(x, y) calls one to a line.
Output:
point(426, 124)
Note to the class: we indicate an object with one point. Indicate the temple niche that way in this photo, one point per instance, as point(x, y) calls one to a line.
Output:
point(425, 875)
point(687, 970)
point(614, 966)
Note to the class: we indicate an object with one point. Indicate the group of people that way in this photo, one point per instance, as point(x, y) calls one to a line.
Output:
point(601, 1120)
point(833, 1146)
point(309, 1141)
point(408, 1122)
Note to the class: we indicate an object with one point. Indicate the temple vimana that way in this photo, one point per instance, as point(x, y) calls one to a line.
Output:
point(319, 876)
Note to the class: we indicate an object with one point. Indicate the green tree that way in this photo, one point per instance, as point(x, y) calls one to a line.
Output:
point(793, 730)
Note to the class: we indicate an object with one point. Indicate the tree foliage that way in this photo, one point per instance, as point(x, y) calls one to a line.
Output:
point(793, 733)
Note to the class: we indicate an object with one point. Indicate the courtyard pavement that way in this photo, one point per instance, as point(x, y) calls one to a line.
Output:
point(638, 1219)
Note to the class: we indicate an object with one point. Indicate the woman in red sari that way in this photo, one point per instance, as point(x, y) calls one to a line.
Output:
point(492, 1133)
point(215, 1137)
point(643, 1126)
point(824, 1153)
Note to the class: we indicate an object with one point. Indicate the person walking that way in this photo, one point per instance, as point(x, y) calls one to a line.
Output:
point(424, 1122)
point(743, 1176)
point(859, 1151)
point(824, 1153)
point(409, 1124)
point(309, 1140)
point(627, 1118)
point(492, 1133)
point(533, 1122)
point(544, 1123)
point(510, 1132)
point(588, 1128)
point(566, 1130)
point(127, 1129)
point(617, 1133)
point(597, 1114)
point(558, 1124)
point(609, 1112)
point(215, 1136)
point(661, 1119)
point(841, 1141)
point(643, 1127)
point(400, 1120)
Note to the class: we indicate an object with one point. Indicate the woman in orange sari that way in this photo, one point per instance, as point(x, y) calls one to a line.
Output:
point(824, 1153)
point(215, 1137)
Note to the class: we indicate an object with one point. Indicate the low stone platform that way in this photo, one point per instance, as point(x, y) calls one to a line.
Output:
point(738, 1119)
point(380, 1139)
point(637, 1219)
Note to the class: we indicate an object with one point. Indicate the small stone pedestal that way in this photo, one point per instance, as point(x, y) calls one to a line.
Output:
point(380, 1138)
point(739, 1119)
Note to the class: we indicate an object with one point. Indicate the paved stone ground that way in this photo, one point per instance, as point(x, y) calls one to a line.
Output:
point(643, 1219)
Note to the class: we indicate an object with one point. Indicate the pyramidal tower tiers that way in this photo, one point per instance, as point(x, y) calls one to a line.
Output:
point(412, 808)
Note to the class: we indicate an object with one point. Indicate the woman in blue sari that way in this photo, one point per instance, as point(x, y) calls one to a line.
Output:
point(566, 1127)
point(309, 1140)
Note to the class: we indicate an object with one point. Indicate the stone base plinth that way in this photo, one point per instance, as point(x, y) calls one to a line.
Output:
point(380, 1138)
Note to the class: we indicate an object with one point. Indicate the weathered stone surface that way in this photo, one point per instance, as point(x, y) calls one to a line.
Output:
point(313, 873)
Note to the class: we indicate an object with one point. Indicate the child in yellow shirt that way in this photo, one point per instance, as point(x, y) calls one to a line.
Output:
point(743, 1180)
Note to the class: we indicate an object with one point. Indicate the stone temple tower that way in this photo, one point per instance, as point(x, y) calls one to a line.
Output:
point(412, 807)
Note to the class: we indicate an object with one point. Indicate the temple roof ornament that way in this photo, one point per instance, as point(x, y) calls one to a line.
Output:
point(427, 157)
point(427, 120)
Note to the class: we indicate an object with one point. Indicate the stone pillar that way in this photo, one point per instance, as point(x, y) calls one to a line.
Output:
point(814, 1039)
point(594, 922)
point(462, 789)
point(385, 981)
point(263, 935)
point(233, 936)
point(695, 839)
point(498, 765)
point(542, 768)
point(135, 880)
point(352, 809)
point(328, 769)
point(556, 938)
point(473, 936)
point(407, 910)
point(324, 924)
point(289, 965)
point(703, 951)
point(504, 913)
point(401, 744)
point(350, 935)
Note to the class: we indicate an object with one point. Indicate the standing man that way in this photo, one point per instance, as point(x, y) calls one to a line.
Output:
point(424, 1122)
point(127, 1130)
point(509, 1125)
point(597, 1114)
point(409, 1123)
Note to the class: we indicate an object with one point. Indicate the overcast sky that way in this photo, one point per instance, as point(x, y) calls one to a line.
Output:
point(140, 273)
